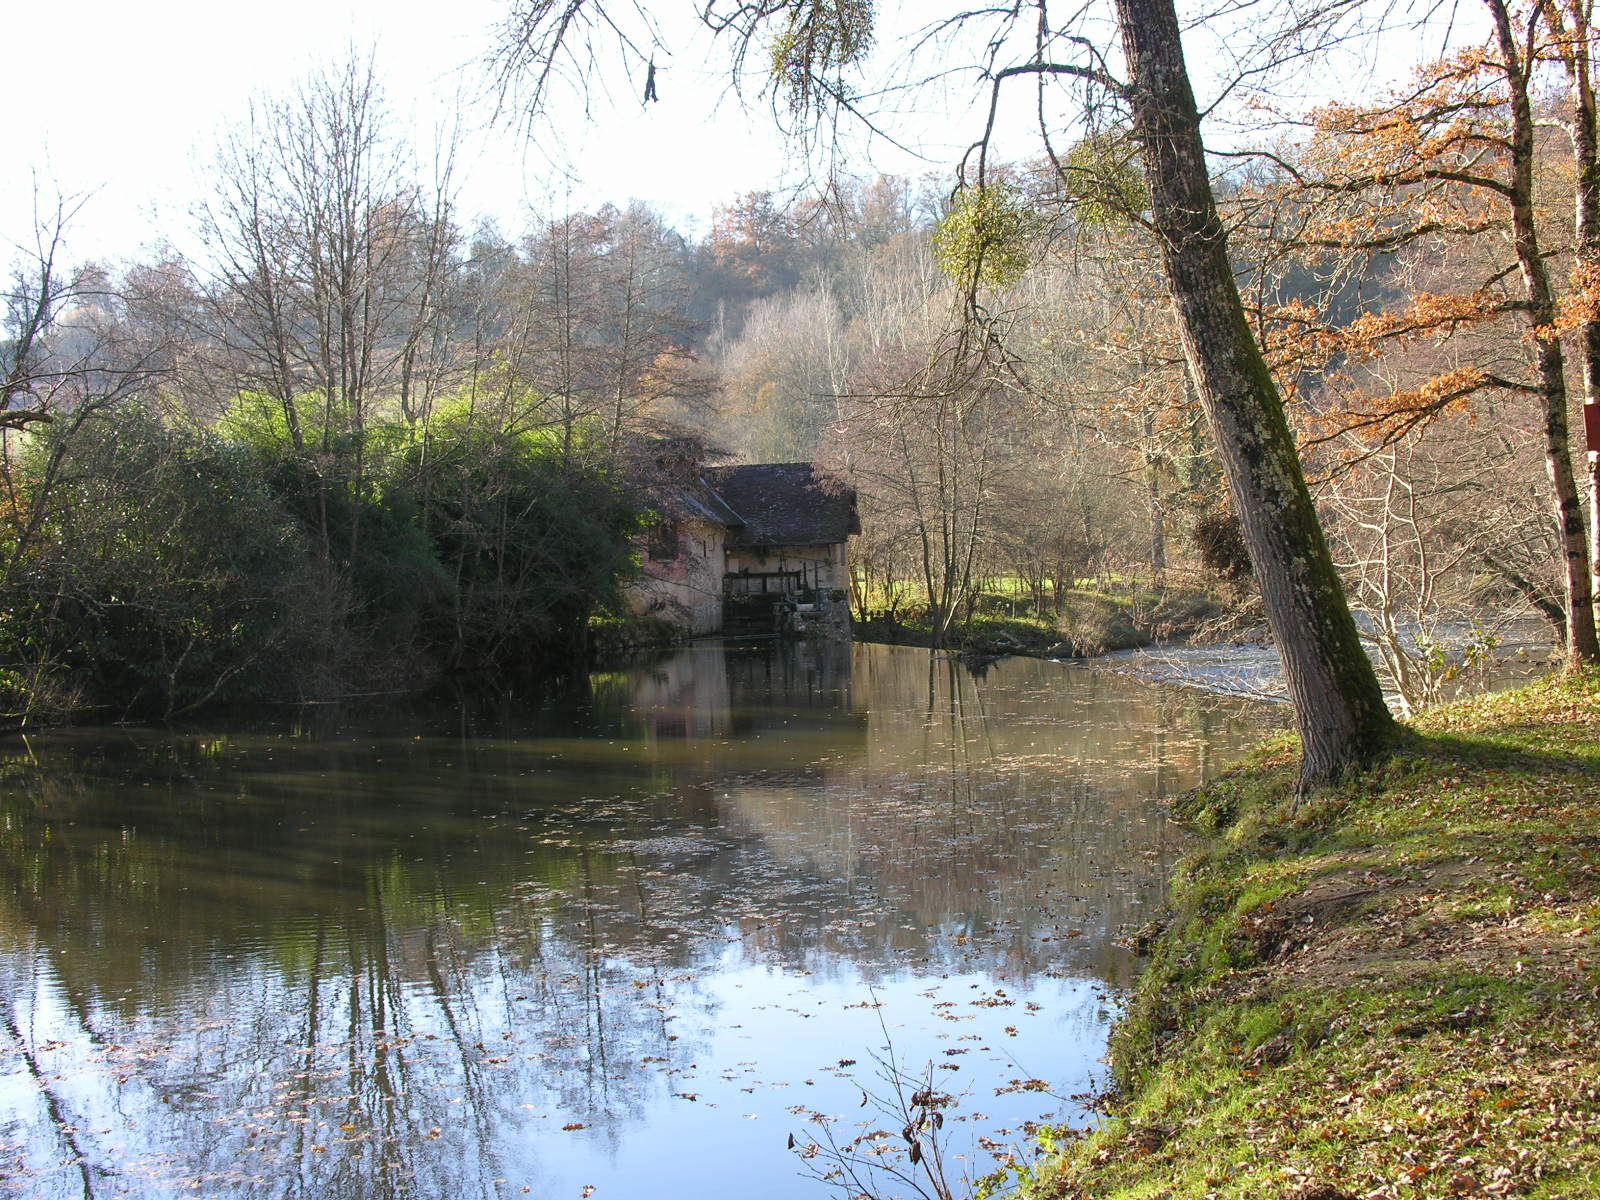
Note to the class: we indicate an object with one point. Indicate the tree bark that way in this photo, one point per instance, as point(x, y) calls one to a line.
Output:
point(1158, 513)
point(1338, 703)
point(1571, 23)
point(1518, 67)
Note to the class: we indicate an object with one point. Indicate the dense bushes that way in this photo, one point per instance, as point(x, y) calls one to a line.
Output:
point(152, 568)
point(162, 575)
point(533, 537)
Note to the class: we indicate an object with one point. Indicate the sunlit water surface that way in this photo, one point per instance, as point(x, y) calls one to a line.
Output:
point(625, 944)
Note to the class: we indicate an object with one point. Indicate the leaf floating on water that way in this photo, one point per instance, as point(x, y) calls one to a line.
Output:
point(1023, 1085)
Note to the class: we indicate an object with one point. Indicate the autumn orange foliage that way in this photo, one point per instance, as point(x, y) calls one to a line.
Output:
point(1423, 173)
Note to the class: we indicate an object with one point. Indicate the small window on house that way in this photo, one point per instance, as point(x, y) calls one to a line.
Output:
point(662, 545)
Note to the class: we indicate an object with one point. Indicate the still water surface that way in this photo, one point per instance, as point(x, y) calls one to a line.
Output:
point(623, 945)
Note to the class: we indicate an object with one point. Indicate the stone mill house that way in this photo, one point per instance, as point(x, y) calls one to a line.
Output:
point(759, 548)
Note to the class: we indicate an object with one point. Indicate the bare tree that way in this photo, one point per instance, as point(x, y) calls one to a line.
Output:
point(332, 268)
point(920, 449)
point(783, 377)
point(1414, 565)
point(67, 353)
point(590, 329)
point(1099, 349)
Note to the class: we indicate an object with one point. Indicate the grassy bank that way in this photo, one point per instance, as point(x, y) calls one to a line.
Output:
point(1091, 621)
point(1393, 991)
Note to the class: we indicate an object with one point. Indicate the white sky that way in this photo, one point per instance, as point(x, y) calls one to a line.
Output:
point(126, 103)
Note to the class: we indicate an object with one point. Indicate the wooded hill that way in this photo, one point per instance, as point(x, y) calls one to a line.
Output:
point(355, 443)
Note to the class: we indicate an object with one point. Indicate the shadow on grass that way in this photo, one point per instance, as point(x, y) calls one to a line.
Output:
point(1490, 749)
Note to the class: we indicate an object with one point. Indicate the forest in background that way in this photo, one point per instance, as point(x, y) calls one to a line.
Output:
point(359, 442)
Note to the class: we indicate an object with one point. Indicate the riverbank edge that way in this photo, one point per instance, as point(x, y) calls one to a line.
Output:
point(1092, 624)
point(1389, 990)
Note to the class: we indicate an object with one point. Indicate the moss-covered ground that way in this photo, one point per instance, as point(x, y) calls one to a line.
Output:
point(1090, 621)
point(1388, 990)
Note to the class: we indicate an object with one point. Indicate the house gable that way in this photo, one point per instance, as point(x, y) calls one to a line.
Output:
point(784, 504)
point(743, 545)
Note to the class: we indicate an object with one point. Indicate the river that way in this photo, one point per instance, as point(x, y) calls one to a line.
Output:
point(655, 937)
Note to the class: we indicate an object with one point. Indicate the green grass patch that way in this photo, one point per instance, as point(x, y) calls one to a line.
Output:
point(1391, 989)
point(1087, 622)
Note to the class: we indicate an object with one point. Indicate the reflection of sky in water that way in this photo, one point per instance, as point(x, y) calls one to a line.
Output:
point(402, 961)
point(754, 1054)
point(788, 1051)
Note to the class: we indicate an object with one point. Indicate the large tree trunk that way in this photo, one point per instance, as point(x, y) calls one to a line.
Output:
point(1573, 35)
point(1518, 67)
point(1338, 703)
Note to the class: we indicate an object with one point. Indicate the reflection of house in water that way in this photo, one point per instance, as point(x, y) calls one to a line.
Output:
point(709, 691)
point(757, 548)
point(684, 696)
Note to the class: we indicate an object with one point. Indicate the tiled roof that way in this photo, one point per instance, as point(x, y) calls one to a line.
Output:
point(698, 502)
point(784, 504)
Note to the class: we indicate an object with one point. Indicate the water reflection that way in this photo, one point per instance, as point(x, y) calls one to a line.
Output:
point(698, 905)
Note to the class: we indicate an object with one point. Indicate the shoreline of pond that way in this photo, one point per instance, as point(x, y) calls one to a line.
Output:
point(1094, 624)
point(1391, 989)
point(1244, 664)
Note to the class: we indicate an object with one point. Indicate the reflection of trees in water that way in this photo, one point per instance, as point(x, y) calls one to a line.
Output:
point(1128, 736)
point(374, 1052)
point(393, 967)
point(1016, 806)
point(814, 675)
point(997, 870)
point(374, 1029)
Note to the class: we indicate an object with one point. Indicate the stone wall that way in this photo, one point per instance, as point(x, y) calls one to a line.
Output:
point(686, 589)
